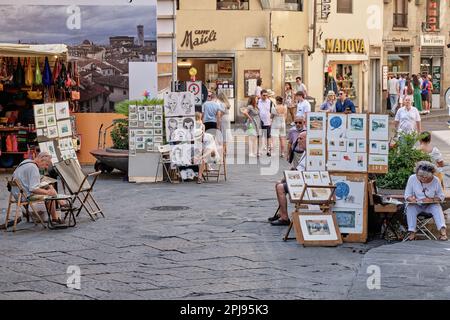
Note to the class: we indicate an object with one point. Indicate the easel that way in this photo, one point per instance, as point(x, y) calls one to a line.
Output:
point(325, 206)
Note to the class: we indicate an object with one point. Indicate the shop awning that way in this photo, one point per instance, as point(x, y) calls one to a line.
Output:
point(345, 57)
point(32, 50)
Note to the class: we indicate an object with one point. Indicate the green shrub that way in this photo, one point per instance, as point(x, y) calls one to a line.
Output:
point(403, 157)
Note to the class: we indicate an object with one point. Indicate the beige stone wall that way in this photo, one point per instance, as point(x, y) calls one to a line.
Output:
point(233, 26)
point(411, 36)
point(366, 22)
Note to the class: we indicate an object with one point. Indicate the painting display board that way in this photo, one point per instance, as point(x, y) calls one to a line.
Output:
point(54, 130)
point(347, 142)
point(378, 143)
point(179, 111)
point(351, 206)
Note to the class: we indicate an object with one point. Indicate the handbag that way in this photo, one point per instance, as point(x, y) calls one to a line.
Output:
point(34, 95)
point(19, 74)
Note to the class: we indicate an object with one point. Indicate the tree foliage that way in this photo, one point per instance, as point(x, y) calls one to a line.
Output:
point(403, 157)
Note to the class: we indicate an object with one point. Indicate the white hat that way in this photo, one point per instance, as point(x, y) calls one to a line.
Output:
point(270, 92)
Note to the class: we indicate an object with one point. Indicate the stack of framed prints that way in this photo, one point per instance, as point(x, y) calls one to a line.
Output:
point(145, 128)
point(378, 143)
point(54, 130)
point(316, 229)
point(179, 112)
point(297, 182)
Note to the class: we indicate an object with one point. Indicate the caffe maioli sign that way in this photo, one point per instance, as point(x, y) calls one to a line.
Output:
point(196, 38)
point(345, 46)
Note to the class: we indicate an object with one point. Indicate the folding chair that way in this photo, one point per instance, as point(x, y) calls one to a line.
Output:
point(164, 160)
point(421, 229)
point(216, 170)
point(77, 184)
point(22, 201)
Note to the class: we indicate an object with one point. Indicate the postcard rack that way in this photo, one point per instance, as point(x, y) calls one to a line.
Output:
point(325, 205)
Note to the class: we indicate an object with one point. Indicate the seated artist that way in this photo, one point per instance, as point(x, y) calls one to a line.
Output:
point(205, 151)
point(27, 173)
point(281, 188)
point(423, 194)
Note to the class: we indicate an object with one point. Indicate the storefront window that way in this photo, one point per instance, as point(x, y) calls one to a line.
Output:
point(232, 4)
point(347, 80)
point(400, 60)
point(293, 67)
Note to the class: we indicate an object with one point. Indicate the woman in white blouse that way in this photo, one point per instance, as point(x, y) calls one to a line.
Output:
point(423, 194)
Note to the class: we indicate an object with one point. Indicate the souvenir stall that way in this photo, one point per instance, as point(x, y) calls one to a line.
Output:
point(345, 147)
point(32, 79)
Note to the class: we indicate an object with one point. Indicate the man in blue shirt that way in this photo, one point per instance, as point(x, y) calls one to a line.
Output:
point(212, 112)
point(344, 104)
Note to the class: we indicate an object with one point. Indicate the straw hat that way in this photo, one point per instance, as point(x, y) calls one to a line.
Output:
point(270, 92)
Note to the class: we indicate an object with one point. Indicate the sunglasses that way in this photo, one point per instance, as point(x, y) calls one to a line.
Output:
point(341, 93)
point(300, 122)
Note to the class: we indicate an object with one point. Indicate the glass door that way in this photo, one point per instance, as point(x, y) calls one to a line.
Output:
point(293, 67)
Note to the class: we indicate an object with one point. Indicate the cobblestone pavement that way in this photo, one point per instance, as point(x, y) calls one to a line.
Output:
point(219, 247)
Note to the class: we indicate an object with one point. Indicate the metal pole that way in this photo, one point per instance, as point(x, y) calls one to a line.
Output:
point(174, 45)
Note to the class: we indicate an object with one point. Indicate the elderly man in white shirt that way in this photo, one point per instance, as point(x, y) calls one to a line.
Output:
point(423, 194)
point(408, 119)
point(281, 187)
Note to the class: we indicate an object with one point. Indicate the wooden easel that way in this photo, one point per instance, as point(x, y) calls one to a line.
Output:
point(325, 205)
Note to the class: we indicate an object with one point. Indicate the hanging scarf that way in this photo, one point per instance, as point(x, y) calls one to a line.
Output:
point(19, 74)
point(37, 75)
point(47, 75)
point(28, 73)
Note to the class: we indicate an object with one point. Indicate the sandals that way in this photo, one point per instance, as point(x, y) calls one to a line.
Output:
point(411, 236)
point(443, 235)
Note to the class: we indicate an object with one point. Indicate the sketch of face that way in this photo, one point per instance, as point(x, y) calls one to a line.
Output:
point(173, 125)
point(172, 103)
point(178, 135)
point(186, 104)
point(188, 124)
point(178, 155)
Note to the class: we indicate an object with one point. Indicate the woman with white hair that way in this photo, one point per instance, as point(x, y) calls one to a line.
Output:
point(423, 194)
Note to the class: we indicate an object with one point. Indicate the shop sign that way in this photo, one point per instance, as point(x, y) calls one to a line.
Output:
point(385, 77)
point(195, 38)
point(433, 9)
point(345, 46)
point(325, 9)
point(255, 43)
point(432, 41)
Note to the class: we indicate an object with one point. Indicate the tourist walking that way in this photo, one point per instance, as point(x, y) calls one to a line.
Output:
point(258, 88)
point(289, 101)
point(417, 93)
point(265, 105)
point(425, 94)
point(279, 114)
point(394, 92)
point(300, 86)
point(212, 113)
point(225, 125)
point(303, 105)
point(253, 124)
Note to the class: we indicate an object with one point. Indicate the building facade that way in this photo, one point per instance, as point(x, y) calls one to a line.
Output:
point(347, 54)
point(232, 43)
point(415, 41)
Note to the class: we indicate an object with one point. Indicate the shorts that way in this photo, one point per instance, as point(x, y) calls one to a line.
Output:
point(266, 130)
point(424, 96)
point(210, 125)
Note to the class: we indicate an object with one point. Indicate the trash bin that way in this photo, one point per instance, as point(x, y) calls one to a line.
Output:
point(312, 102)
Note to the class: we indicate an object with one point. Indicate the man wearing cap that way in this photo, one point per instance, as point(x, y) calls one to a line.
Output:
point(295, 152)
point(281, 188)
point(330, 104)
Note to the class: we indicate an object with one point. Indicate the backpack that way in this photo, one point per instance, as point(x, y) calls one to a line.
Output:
point(425, 86)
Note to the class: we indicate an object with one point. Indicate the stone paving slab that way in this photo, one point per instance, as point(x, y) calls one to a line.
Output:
point(220, 247)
